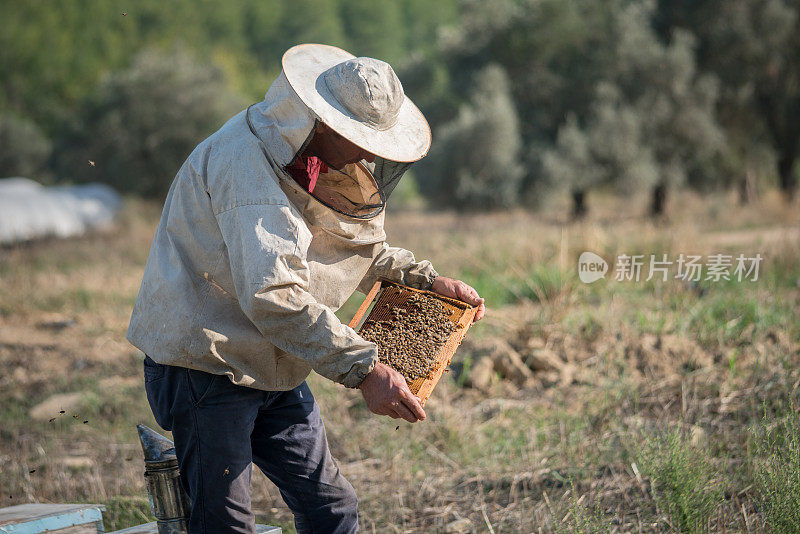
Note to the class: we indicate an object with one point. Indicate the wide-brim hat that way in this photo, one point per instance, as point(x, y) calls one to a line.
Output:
point(359, 98)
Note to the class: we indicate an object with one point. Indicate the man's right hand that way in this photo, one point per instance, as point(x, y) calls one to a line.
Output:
point(386, 393)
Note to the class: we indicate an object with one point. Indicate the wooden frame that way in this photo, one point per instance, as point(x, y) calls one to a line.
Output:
point(462, 315)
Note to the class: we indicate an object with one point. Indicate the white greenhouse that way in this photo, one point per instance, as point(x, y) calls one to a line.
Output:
point(29, 210)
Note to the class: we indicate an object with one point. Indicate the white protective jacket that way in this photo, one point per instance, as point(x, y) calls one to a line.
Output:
point(246, 268)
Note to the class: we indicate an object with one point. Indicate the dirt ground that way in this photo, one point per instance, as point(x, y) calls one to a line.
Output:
point(610, 407)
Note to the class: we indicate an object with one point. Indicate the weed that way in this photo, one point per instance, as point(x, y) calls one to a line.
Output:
point(777, 471)
point(579, 518)
point(685, 484)
point(125, 511)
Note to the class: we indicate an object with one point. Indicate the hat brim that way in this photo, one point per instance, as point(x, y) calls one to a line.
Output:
point(408, 140)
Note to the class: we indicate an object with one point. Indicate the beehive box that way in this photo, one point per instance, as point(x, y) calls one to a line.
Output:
point(62, 518)
point(386, 296)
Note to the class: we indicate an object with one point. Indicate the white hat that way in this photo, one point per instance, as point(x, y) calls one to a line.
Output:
point(360, 98)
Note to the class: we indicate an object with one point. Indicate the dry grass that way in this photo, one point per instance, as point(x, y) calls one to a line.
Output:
point(663, 402)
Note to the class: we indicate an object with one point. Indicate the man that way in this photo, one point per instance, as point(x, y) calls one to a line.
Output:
point(270, 225)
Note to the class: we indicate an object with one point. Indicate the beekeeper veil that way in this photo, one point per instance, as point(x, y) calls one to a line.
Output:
point(361, 100)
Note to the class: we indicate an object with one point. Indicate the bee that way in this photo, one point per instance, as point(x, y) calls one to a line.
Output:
point(124, 13)
point(91, 163)
point(414, 335)
point(227, 471)
point(86, 422)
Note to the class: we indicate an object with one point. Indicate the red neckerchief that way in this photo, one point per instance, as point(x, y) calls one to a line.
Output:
point(305, 170)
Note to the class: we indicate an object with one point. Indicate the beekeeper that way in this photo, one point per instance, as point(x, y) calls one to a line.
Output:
point(269, 226)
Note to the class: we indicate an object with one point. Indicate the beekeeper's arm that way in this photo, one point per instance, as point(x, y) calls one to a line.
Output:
point(267, 247)
point(399, 265)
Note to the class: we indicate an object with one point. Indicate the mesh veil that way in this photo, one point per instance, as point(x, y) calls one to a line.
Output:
point(359, 190)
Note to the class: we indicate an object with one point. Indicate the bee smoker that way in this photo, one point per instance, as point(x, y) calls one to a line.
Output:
point(168, 501)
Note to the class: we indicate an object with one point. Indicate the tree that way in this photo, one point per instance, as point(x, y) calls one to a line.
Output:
point(476, 161)
point(651, 121)
point(553, 51)
point(141, 123)
point(571, 165)
point(609, 149)
point(676, 102)
point(24, 149)
point(753, 46)
point(374, 28)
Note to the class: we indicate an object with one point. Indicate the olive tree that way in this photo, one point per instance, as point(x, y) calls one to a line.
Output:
point(475, 161)
point(753, 47)
point(142, 122)
point(651, 123)
point(24, 149)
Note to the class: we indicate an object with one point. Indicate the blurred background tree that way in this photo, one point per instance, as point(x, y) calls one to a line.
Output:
point(602, 100)
point(753, 47)
point(24, 149)
point(475, 163)
point(651, 124)
point(139, 124)
point(526, 98)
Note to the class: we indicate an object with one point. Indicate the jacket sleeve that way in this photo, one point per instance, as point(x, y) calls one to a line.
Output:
point(267, 247)
point(399, 265)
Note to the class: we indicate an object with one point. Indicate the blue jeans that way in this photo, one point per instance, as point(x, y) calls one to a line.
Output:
point(221, 429)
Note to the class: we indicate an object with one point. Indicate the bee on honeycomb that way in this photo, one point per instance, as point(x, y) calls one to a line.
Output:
point(411, 338)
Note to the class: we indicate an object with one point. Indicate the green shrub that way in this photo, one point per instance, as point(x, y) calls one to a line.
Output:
point(580, 518)
point(777, 472)
point(685, 484)
point(123, 511)
point(475, 162)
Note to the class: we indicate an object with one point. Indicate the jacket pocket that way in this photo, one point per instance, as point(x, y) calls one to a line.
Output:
point(200, 384)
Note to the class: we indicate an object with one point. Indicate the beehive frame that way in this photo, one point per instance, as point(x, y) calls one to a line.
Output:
point(461, 314)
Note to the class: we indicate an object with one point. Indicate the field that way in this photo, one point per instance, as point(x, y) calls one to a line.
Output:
point(626, 406)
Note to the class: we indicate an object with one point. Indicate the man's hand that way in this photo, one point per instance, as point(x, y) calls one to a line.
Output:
point(461, 291)
point(386, 393)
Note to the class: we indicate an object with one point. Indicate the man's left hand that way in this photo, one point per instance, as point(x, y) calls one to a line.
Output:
point(457, 289)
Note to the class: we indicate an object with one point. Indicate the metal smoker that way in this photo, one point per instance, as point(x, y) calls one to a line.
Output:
point(168, 501)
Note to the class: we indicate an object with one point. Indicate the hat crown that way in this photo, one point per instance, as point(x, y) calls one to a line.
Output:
point(369, 89)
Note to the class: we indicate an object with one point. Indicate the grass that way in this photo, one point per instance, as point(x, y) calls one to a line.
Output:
point(690, 385)
point(123, 511)
point(777, 473)
point(578, 518)
point(684, 482)
point(504, 286)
